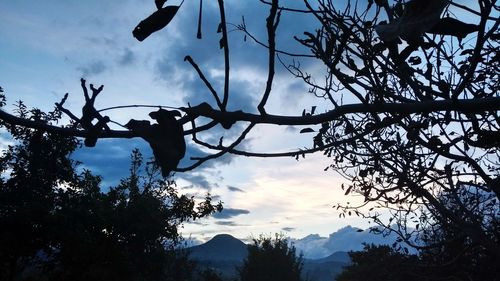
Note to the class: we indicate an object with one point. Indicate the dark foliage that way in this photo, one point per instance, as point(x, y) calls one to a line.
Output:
point(57, 224)
point(271, 260)
point(380, 263)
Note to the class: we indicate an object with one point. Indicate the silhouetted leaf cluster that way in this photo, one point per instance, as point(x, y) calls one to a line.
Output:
point(166, 138)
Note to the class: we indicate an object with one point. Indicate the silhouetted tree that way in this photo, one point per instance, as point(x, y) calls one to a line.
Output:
point(271, 260)
point(412, 98)
point(210, 275)
point(380, 263)
point(57, 223)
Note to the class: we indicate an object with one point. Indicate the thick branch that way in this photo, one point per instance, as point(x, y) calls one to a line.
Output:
point(463, 106)
point(205, 110)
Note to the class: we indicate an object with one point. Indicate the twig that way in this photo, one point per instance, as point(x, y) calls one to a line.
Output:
point(225, 44)
point(204, 79)
point(272, 24)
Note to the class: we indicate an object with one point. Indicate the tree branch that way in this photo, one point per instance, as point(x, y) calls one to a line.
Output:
point(205, 110)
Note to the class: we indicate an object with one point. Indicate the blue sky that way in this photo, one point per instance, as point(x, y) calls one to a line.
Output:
point(47, 46)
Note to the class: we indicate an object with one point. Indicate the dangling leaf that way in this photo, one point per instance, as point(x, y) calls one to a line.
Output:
point(154, 22)
point(159, 3)
point(198, 34)
point(453, 27)
point(415, 60)
point(221, 43)
point(306, 130)
point(418, 17)
point(166, 138)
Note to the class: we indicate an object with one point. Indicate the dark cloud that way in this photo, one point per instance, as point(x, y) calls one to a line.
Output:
point(288, 229)
point(197, 180)
point(229, 213)
point(207, 54)
point(234, 189)
point(230, 223)
point(127, 58)
point(226, 223)
point(93, 68)
point(110, 158)
point(101, 41)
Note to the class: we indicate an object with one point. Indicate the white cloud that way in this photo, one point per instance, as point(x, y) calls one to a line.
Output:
point(345, 239)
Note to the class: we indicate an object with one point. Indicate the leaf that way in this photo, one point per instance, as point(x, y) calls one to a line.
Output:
point(154, 22)
point(467, 52)
point(166, 138)
point(418, 17)
point(444, 87)
point(306, 130)
point(453, 27)
point(313, 109)
point(415, 60)
point(363, 173)
point(159, 3)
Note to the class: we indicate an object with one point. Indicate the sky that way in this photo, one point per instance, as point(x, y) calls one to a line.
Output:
point(47, 46)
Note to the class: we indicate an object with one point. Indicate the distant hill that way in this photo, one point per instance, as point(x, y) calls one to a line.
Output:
point(340, 256)
point(222, 247)
point(325, 269)
point(224, 254)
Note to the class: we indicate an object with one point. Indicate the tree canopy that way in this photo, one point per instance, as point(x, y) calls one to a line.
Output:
point(271, 259)
point(59, 224)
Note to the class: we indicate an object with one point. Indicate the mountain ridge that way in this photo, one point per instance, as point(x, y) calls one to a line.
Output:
point(225, 254)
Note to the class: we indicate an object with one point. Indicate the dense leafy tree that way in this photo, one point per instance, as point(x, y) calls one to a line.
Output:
point(210, 275)
point(271, 259)
point(380, 263)
point(57, 223)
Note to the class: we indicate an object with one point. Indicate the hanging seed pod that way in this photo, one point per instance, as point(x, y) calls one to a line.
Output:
point(154, 22)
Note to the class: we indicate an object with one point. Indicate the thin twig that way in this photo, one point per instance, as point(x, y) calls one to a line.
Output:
point(272, 24)
point(205, 80)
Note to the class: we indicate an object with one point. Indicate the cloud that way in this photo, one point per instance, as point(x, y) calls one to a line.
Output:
point(234, 189)
point(190, 242)
point(127, 58)
point(193, 150)
point(350, 239)
point(229, 213)
point(93, 68)
point(345, 239)
point(197, 180)
point(227, 223)
point(288, 229)
point(110, 158)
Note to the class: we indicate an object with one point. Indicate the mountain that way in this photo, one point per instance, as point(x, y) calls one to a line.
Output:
point(340, 256)
point(225, 254)
point(222, 247)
